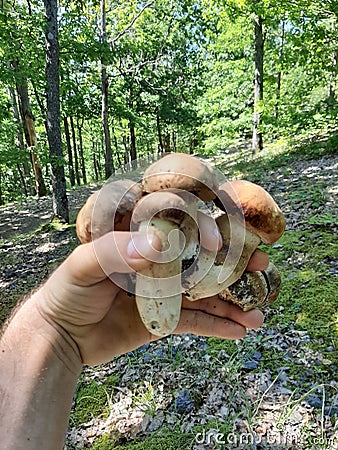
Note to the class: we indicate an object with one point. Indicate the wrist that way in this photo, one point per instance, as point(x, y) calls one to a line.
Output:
point(39, 368)
point(35, 330)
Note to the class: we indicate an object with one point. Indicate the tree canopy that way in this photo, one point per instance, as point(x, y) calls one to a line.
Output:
point(141, 78)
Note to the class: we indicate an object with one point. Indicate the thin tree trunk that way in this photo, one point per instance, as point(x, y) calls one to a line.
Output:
point(69, 152)
point(109, 165)
point(279, 74)
point(96, 173)
point(29, 188)
point(117, 153)
point(257, 136)
point(331, 96)
point(76, 158)
point(159, 132)
point(173, 135)
point(132, 148)
point(82, 161)
point(60, 201)
point(1, 196)
point(22, 179)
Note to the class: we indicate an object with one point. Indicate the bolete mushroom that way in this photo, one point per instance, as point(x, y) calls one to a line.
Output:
point(158, 290)
point(250, 217)
point(184, 172)
point(107, 209)
point(254, 289)
point(173, 186)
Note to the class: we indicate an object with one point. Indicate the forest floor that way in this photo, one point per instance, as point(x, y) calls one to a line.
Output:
point(275, 389)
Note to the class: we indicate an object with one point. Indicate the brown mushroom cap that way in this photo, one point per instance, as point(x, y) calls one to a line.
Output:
point(107, 209)
point(181, 171)
point(262, 215)
point(163, 204)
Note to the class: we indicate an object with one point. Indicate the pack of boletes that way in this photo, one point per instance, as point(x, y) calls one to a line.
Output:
point(168, 200)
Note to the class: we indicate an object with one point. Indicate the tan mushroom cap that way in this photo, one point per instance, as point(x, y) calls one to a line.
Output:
point(163, 204)
point(262, 214)
point(107, 209)
point(181, 171)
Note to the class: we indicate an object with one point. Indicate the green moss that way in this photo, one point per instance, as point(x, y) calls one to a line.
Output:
point(92, 400)
point(309, 290)
point(164, 440)
point(217, 344)
point(105, 442)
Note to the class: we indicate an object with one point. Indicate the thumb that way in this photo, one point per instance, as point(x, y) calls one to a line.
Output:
point(117, 251)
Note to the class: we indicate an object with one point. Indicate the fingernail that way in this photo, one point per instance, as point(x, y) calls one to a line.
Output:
point(141, 246)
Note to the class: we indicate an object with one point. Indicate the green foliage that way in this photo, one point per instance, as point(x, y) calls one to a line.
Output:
point(92, 400)
point(179, 73)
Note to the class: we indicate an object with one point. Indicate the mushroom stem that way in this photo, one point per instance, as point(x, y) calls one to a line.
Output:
point(158, 287)
point(254, 289)
point(217, 271)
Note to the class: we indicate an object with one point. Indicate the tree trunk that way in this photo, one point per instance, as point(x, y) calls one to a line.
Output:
point(173, 137)
point(331, 97)
point(159, 132)
point(96, 172)
point(28, 124)
point(132, 148)
point(279, 74)
point(69, 152)
point(257, 136)
point(117, 153)
point(60, 201)
point(126, 155)
point(82, 161)
point(1, 196)
point(29, 188)
point(22, 179)
point(109, 165)
point(76, 158)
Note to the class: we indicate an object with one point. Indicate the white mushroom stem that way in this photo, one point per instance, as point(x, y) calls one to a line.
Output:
point(158, 287)
point(189, 228)
point(217, 271)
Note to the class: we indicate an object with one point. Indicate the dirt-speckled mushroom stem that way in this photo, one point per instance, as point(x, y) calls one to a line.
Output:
point(158, 287)
point(254, 289)
point(227, 265)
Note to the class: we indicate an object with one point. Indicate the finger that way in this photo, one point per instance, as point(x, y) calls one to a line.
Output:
point(258, 261)
point(118, 251)
point(210, 236)
point(203, 324)
point(214, 306)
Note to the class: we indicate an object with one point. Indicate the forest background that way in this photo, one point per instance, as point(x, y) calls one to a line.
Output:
point(87, 88)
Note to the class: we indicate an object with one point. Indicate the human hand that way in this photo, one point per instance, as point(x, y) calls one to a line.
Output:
point(103, 320)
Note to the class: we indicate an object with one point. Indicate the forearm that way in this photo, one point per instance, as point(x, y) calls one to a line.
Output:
point(39, 367)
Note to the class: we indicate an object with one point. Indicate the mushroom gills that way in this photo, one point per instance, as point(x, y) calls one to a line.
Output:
point(158, 287)
point(254, 289)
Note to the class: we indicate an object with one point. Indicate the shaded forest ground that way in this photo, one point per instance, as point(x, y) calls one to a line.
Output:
point(278, 386)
